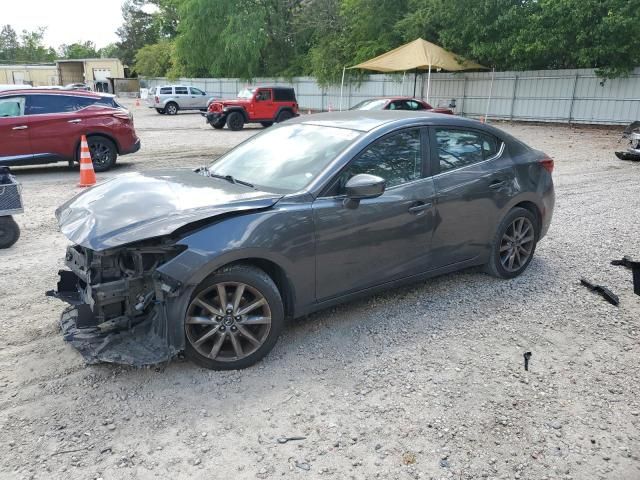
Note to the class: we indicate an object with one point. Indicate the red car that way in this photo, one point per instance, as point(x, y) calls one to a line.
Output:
point(264, 105)
point(398, 103)
point(45, 126)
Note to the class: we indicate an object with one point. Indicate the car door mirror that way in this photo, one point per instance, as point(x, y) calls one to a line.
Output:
point(363, 186)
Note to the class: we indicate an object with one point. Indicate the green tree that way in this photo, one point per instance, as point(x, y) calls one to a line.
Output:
point(139, 29)
point(154, 60)
point(243, 38)
point(79, 50)
point(109, 51)
point(32, 48)
point(9, 44)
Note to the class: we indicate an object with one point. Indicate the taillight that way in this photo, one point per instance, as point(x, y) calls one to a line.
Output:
point(157, 99)
point(547, 164)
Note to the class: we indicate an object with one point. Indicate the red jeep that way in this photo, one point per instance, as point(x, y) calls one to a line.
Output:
point(264, 105)
point(45, 126)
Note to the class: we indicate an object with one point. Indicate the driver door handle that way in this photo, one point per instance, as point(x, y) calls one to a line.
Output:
point(420, 207)
point(77, 120)
point(21, 127)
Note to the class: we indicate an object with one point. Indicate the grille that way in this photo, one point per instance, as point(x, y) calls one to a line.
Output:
point(10, 199)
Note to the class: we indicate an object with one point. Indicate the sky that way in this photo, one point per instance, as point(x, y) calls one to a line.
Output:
point(67, 21)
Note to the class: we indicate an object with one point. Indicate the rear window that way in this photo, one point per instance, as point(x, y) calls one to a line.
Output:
point(166, 91)
point(284, 95)
point(459, 148)
point(182, 91)
point(42, 104)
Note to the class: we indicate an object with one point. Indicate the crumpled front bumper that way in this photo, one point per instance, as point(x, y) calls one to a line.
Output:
point(110, 321)
point(213, 117)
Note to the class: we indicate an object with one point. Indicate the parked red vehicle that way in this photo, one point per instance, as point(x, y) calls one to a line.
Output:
point(45, 126)
point(399, 103)
point(264, 105)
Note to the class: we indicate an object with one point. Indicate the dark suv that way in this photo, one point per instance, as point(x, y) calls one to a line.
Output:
point(264, 105)
point(45, 126)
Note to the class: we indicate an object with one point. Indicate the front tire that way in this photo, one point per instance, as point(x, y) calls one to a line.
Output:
point(266, 124)
point(9, 232)
point(171, 108)
point(235, 121)
point(234, 319)
point(160, 111)
point(219, 125)
point(103, 153)
point(514, 244)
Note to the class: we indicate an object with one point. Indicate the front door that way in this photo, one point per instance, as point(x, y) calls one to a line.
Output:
point(263, 108)
point(55, 125)
point(384, 238)
point(475, 181)
point(198, 98)
point(15, 144)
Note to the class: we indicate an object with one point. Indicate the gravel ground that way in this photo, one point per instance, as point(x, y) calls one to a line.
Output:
point(420, 382)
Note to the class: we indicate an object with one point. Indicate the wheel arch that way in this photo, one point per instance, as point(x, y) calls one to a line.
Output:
point(244, 113)
point(284, 109)
point(95, 134)
point(534, 209)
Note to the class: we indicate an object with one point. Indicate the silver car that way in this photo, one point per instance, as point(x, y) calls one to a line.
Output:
point(170, 99)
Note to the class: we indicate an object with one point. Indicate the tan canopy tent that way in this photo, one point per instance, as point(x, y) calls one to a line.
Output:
point(418, 55)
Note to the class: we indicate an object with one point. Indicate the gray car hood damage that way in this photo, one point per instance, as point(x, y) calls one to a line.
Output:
point(141, 205)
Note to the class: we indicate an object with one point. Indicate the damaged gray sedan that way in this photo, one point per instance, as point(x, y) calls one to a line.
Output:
point(308, 214)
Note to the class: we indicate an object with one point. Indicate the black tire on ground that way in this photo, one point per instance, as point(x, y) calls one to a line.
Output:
point(266, 124)
point(103, 153)
point(218, 350)
point(160, 111)
point(219, 124)
point(284, 115)
point(235, 121)
point(514, 244)
point(171, 108)
point(9, 232)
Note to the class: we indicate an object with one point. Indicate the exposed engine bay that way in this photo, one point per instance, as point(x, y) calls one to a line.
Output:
point(117, 299)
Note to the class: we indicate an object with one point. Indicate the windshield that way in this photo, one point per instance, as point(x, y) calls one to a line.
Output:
point(246, 93)
point(284, 159)
point(375, 104)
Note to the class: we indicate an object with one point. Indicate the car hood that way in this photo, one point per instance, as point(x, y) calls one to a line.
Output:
point(234, 102)
point(137, 206)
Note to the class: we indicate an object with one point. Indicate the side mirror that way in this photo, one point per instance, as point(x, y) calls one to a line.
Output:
point(363, 186)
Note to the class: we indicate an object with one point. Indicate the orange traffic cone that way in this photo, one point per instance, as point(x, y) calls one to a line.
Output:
point(87, 174)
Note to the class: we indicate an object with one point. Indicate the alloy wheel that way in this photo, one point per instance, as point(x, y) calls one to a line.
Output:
point(228, 321)
point(517, 244)
point(100, 153)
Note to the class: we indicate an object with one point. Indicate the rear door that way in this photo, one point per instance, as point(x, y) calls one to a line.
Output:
point(15, 145)
point(55, 124)
point(475, 179)
point(183, 98)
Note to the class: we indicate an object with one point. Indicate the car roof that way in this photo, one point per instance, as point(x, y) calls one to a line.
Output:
point(52, 91)
point(367, 120)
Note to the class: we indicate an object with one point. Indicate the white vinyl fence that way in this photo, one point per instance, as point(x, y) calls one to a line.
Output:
point(565, 96)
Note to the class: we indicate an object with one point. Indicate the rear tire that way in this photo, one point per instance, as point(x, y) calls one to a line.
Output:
point(284, 116)
point(514, 244)
point(235, 121)
point(103, 153)
point(160, 111)
point(9, 232)
point(219, 334)
point(171, 108)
